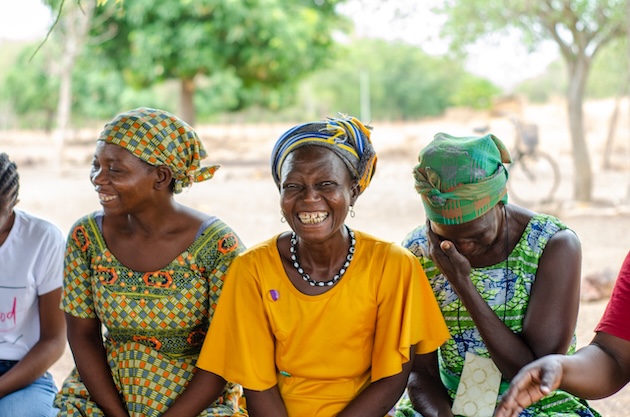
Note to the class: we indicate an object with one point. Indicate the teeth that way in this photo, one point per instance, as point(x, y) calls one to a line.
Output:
point(312, 218)
point(105, 197)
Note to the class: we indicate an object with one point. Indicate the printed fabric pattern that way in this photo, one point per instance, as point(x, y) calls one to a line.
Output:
point(155, 322)
point(508, 296)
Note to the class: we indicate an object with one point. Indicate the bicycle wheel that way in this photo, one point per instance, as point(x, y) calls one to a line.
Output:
point(533, 179)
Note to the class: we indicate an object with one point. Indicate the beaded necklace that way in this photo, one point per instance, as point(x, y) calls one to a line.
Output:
point(337, 276)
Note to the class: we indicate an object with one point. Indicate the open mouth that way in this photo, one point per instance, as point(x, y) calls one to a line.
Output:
point(104, 198)
point(312, 217)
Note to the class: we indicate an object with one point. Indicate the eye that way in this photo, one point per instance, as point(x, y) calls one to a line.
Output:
point(327, 184)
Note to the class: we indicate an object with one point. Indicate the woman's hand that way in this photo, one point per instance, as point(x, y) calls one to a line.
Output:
point(531, 384)
point(453, 265)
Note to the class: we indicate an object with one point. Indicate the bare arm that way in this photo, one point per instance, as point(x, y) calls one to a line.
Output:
point(202, 390)
point(49, 347)
point(86, 342)
point(265, 403)
point(553, 306)
point(380, 396)
point(426, 391)
point(595, 371)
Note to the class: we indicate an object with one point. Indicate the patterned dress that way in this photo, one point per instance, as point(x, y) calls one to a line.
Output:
point(155, 322)
point(506, 287)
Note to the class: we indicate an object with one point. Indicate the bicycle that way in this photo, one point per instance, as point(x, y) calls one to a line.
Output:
point(534, 176)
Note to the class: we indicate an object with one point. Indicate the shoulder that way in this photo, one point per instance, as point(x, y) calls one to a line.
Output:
point(38, 227)
point(375, 248)
point(416, 241)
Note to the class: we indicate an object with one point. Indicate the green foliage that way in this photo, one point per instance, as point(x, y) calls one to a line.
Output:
point(553, 82)
point(404, 82)
point(571, 23)
point(29, 88)
point(609, 73)
point(255, 43)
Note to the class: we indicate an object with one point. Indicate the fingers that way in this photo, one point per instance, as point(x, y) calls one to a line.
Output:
point(528, 387)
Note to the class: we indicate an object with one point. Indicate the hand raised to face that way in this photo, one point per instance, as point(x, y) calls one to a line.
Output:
point(455, 267)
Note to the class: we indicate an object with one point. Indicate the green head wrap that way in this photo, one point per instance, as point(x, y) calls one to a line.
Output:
point(461, 178)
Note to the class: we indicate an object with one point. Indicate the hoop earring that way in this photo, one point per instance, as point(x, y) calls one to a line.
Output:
point(351, 211)
point(282, 218)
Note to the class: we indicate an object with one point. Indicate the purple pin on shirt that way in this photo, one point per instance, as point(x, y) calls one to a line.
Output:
point(274, 295)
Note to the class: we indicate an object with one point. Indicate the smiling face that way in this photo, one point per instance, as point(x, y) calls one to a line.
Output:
point(316, 190)
point(123, 182)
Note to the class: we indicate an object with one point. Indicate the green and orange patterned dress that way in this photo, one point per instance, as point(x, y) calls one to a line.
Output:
point(155, 322)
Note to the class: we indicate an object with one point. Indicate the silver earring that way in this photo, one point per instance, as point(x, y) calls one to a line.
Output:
point(282, 219)
point(351, 211)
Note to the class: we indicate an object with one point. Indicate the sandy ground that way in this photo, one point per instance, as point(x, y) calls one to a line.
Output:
point(243, 195)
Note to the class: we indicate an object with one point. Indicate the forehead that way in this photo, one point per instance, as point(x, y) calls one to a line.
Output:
point(109, 151)
point(313, 159)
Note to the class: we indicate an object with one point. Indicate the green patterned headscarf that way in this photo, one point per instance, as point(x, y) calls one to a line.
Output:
point(160, 138)
point(461, 178)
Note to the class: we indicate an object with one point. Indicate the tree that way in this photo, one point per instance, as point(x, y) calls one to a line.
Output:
point(580, 28)
point(404, 82)
point(264, 43)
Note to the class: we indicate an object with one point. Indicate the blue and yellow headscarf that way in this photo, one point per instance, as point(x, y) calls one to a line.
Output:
point(346, 136)
point(461, 178)
point(160, 138)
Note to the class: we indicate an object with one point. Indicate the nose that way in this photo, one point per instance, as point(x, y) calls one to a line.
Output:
point(311, 194)
point(97, 176)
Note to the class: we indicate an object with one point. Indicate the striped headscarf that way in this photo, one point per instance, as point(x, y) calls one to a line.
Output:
point(461, 178)
point(346, 136)
point(160, 138)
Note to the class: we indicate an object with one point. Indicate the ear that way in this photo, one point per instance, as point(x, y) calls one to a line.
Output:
point(164, 178)
point(354, 193)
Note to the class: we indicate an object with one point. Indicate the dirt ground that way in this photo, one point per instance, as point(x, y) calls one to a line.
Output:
point(243, 195)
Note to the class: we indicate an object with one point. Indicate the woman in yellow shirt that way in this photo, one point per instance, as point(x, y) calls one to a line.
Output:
point(322, 320)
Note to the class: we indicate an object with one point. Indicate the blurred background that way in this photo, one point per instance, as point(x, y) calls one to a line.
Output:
point(243, 71)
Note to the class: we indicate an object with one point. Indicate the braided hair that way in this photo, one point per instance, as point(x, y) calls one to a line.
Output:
point(9, 180)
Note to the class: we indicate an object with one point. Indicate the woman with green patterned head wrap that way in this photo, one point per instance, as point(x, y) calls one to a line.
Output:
point(461, 178)
point(506, 278)
point(149, 270)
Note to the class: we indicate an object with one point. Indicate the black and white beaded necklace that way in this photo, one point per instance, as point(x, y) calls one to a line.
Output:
point(337, 276)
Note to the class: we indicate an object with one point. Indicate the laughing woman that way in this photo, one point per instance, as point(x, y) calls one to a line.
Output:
point(329, 317)
point(146, 269)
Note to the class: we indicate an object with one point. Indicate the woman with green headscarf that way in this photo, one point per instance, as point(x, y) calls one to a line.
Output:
point(146, 269)
point(507, 280)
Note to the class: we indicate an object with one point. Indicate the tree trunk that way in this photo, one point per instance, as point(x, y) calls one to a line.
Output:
point(612, 125)
point(188, 101)
point(583, 175)
point(73, 30)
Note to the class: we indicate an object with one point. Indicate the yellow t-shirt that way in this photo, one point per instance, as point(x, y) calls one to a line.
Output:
point(321, 350)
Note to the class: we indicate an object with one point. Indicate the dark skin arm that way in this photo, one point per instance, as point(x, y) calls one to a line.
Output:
point(595, 371)
point(204, 388)
point(550, 320)
point(49, 347)
point(90, 357)
point(426, 391)
point(380, 396)
point(265, 403)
